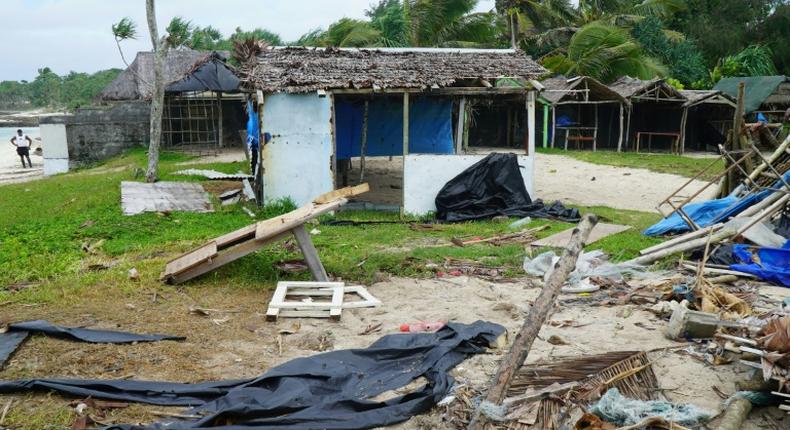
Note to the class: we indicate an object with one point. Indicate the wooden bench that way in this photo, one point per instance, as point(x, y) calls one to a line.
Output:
point(579, 137)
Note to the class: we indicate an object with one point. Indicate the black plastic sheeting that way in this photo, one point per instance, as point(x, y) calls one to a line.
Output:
point(18, 332)
point(213, 75)
point(326, 391)
point(494, 186)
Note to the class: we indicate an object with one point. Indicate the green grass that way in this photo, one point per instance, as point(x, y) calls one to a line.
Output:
point(45, 226)
point(661, 163)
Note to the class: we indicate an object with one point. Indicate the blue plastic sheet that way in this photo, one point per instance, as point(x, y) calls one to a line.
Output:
point(430, 127)
point(252, 127)
point(709, 212)
point(768, 264)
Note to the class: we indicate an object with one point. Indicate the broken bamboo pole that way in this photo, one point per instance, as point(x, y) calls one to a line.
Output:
point(518, 352)
point(723, 234)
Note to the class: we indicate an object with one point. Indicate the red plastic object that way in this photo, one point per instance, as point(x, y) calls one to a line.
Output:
point(422, 327)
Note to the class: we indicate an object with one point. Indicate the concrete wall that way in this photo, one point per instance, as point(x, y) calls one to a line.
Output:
point(297, 161)
point(426, 174)
point(55, 148)
point(97, 134)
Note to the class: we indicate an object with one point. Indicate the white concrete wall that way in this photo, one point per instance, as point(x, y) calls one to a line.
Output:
point(54, 144)
point(426, 174)
point(297, 161)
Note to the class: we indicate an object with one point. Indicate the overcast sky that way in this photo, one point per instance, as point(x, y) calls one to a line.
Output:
point(75, 35)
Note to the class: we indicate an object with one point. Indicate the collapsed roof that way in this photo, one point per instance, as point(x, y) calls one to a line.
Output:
point(185, 70)
point(629, 88)
point(300, 70)
point(580, 88)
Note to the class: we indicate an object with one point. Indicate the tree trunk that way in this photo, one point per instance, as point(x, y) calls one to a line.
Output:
point(158, 96)
point(518, 352)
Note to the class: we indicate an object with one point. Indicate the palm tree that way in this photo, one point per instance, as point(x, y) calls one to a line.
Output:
point(603, 52)
point(430, 23)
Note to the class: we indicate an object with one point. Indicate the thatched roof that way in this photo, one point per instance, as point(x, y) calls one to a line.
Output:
point(695, 97)
point(631, 87)
point(299, 70)
point(136, 82)
point(581, 88)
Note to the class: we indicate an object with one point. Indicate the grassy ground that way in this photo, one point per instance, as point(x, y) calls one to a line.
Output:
point(662, 163)
point(59, 231)
point(67, 237)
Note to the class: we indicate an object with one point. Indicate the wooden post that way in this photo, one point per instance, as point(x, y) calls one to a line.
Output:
point(310, 254)
point(459, 128)
point(595, 132)
point(467, 115)
point(545, 125)
point(531, 122)
point(628, 126)
point(735, 141)
point(682, 144)
point(363, 146)
point(405, 150)
point(518, 352)
point(219, 120)
point(620, 138)
point(553, 124)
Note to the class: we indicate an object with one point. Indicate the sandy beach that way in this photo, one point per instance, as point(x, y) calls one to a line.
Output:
point(11, 170)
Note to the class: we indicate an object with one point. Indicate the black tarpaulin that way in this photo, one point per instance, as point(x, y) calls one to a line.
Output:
point(16, 333)
point(333, 390)
point(494, 186)
point(212, 75)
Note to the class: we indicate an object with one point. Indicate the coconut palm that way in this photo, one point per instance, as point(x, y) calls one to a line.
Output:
point(604, 52)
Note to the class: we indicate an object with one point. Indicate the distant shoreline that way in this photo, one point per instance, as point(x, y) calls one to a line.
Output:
point(29, 118)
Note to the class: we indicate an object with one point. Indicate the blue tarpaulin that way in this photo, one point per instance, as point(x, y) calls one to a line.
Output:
point(709, 212)
point(769, 264)
point(430, 127)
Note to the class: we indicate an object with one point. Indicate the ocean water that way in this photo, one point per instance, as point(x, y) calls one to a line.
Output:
point(9, 160)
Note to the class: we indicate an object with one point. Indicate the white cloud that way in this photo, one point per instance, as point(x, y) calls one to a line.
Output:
point(75, 35)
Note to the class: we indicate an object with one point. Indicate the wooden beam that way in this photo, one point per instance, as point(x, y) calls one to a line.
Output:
point(342, 193)
point(519, 350)
point(310, 254)
point(682, 140)
point(460, 124)
point(405, 150)
point(531, 122)
point(545, 125)
point(259, 187)
point(364, 143)
point(219, 119)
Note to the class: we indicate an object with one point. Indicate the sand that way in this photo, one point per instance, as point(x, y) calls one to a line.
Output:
point(558, 177)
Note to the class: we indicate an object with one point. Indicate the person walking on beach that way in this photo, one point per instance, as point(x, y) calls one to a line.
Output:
point(23, 143)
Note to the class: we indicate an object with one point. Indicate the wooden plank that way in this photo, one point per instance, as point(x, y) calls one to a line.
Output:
point(342, 193)
point(234, 237)
point(310, 254)
point(192, 259)
point(368, 300)
point(226, 257)
point(279, 296)
point(600, 231)
point(337, 303)
point(283, 223)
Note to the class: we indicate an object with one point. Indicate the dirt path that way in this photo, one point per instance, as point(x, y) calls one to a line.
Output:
point(558, 177)
point(236, 342)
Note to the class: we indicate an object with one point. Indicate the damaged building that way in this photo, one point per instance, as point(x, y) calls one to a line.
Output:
point(202, 112)
point(404, 120)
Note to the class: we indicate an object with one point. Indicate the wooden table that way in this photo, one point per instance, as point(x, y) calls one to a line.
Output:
point(675, 139)
point(579, 137)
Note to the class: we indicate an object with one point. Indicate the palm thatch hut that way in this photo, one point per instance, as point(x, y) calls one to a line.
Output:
point(655, 113)
point(709, 115)
point(198, 110)
point(583, 110)
point(406, 120)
